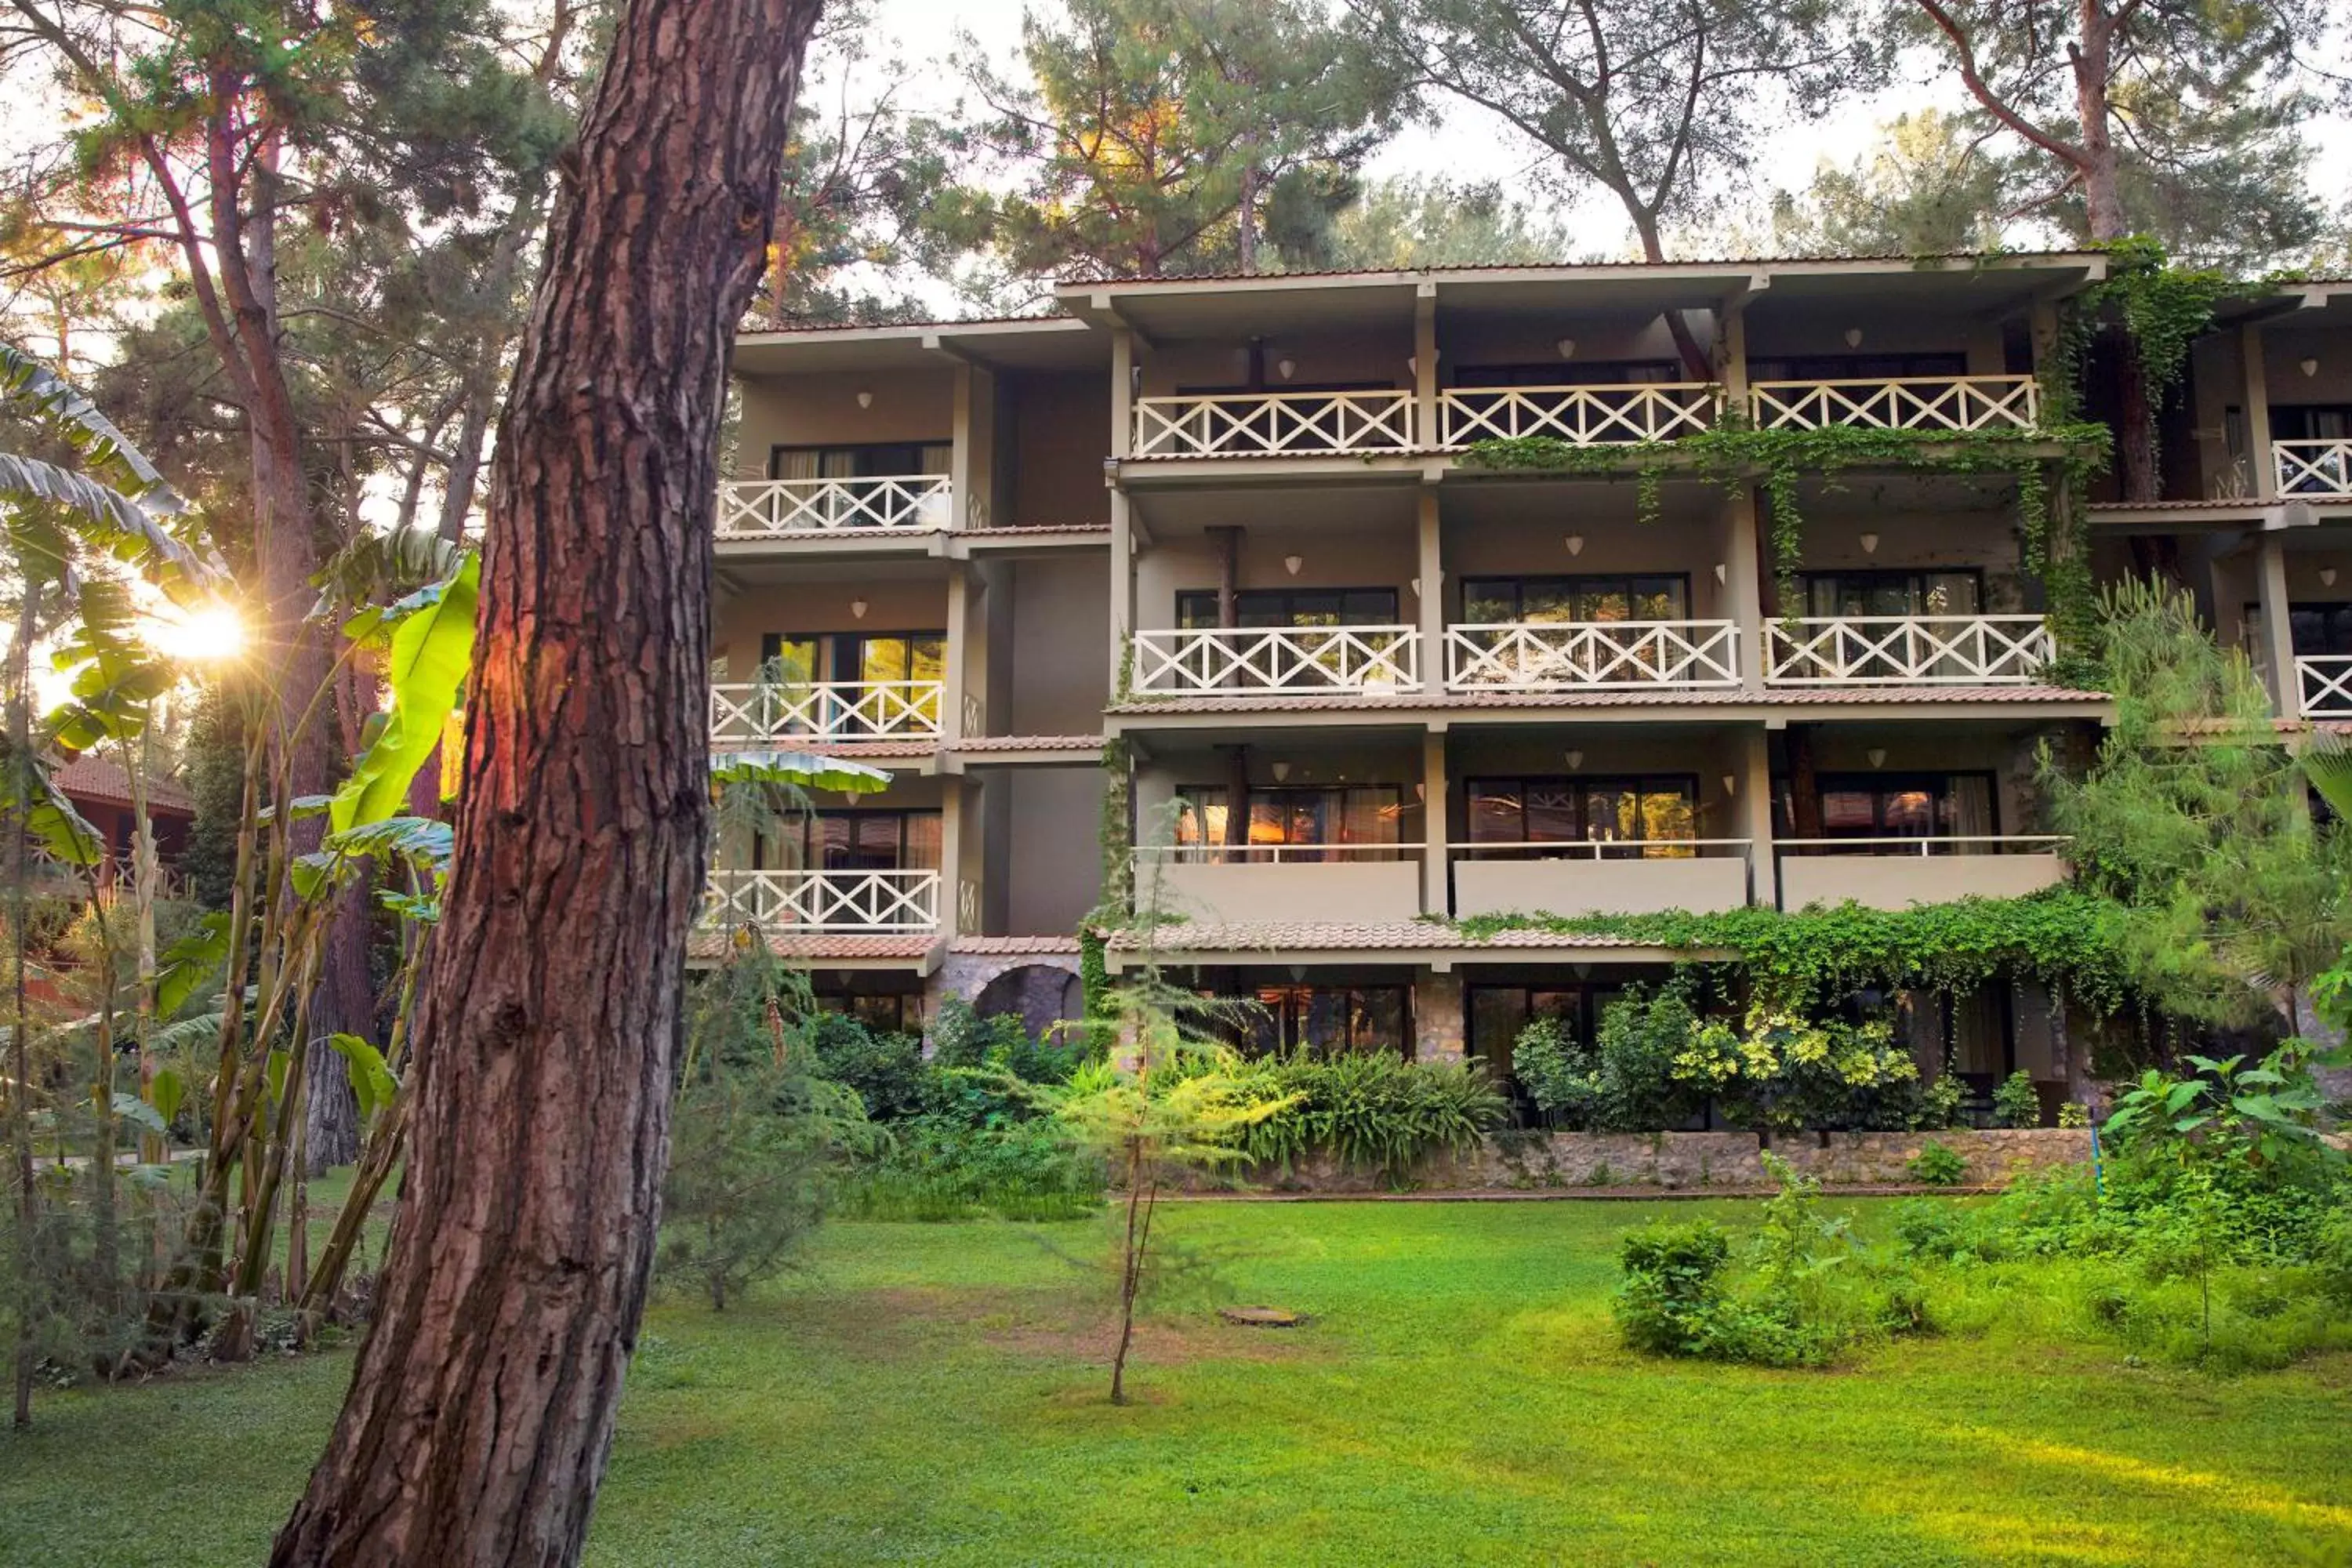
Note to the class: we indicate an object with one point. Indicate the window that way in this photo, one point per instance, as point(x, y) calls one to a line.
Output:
point(1571, 373)
point(884, 1011)
point(2311, 421)
point(1329, 1020)
point(1640, 818)
point(1545, 601)
point(1894, 593)
point(874, 459)
point(1881, 806)
point(1196, 610)
point(1350, 815)
point(1856, 367)
point(805, 657)
point(856, 841)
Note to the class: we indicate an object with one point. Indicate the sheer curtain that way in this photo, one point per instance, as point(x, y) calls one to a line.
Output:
point(1971, 799)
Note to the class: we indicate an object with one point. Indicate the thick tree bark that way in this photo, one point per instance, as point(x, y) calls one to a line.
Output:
point(344, 1003)
point(481, 1410)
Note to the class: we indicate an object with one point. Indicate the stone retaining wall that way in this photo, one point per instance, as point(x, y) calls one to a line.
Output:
point(1527, 1162)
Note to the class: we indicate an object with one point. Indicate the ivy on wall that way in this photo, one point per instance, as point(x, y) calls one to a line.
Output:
point(1117, 836)
point(2066, 940)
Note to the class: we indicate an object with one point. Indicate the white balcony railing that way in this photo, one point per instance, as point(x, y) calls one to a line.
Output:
point(1273, 423)
point(2313, 467)
point(1591, 655)
point(2324, 686)
point(1277, 854)
point(1907, 650)
point(903, 503)
point(1909, 846)
point(1261, 661)
point(1909, 402)
point(1579, 415)
point(824, 902)
point(827, 710)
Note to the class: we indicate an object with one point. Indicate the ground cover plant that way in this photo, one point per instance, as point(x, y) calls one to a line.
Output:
point(924, 1394)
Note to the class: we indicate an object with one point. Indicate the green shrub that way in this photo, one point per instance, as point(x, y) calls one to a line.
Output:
point(939, 1169)
point(1938, 1107)
point(2015, 1102)
point(1937, 1165)
point(1373, 1111)
point(1671, 1301)
point(1556, 1072)
point(885, 1069)
point(1639, 1036)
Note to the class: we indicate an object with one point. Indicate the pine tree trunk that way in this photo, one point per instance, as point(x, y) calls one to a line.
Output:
point(481, 1410)
point(344, 1004)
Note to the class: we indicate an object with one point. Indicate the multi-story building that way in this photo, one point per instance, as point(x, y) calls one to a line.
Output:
point(1234, 551)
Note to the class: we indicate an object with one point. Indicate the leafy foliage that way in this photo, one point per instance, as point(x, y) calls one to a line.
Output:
point(1373, 1110)
point(1937, 1164)
point(2016, 1102)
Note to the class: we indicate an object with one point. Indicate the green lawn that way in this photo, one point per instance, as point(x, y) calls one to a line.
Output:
point(921, 1395)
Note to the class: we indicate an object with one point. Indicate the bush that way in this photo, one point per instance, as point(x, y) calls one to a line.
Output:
point(885, 1069)
point(1639, 1036)
point(2015, 1102)
point(1554, 1072)
point(1372, 1110)
point(940, 1169)
point(1938, 1107)
point(1783, 1071)
point(1671, 1300)
point(1937, 1165)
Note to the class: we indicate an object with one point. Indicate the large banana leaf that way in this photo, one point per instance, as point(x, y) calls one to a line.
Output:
point(804, 769)
point(74, 419)
point(28, 796)
point(432, 647)
point(382, 567)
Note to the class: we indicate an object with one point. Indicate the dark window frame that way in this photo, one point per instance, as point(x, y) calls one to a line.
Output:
point(1576, 582)
point(776, 450)
point(1915, 581)
point(806, 825)
point(1641, 784)
point(1937, 782)
point(833, 645)
point(1189, 601)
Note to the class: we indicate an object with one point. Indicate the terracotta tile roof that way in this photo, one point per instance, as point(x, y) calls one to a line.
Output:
point(1698, 264)
point(1016, 530)
point(86, 777)
point(1397, 935)
point(797, 329)
point(705, 943)
point(1030, 743)
point(1014, 946)
point(1714, 697)
point(2244, 503)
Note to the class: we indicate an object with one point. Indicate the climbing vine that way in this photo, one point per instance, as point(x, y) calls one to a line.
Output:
point(1736, 454)
point(2066, 939)
point(1117, 836)
point(2163, 309)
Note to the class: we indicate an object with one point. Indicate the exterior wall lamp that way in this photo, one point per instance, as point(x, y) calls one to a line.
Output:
point(1854, 337)
point(1575, 760)
point(865, 400)
point(1877, 755)
point(2327, 577)
point(2310, 367)
point(1285, 368)
point(1870, 544)
point(1566, 347)
point(857, 608)
point(1281, 772)
point(1291, 563)
point(1576, 544)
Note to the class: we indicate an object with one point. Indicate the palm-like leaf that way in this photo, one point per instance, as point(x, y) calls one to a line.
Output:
point(2327, 763)
point(380, 567)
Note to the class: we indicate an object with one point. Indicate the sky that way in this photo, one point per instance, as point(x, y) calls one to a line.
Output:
point(1465, 143)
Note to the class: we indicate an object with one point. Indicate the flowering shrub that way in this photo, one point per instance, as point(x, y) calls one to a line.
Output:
point(1782, 1071)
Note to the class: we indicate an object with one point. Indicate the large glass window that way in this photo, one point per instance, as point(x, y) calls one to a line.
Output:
point(1571, 373)
point(1487, 601)
point(2311, 421)
point(1353, 815)
point(1856, 367)
point(2319, 629)
point(1896, 806)
point(856, 841)
point(1646, 818)
point(800, 657)
point(1329, 1020)
point(1196, 610)
point(873, 459)
point(1894, 593)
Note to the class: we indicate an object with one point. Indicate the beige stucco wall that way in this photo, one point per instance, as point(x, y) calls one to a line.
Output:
point(1052, 812)
point(1522, 531)
point(1929, 747)
point(1818, 327)
point(1061, 433)
point(1372, 355)
point(2286, 346)
point(1975, 526)
point(1521, 340)
point(1524, 886)
point(1342, 892)
point(1054, 615)
point(1898, 881)
point(820, 606)
point(1384, 557)
point(822, 411)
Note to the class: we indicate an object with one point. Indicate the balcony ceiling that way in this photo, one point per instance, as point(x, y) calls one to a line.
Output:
point(1304, 508)
point(1055, 343)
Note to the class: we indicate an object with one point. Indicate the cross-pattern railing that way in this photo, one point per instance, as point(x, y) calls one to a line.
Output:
point(754, 509)
point(1259, 661)
point(2324, 686)
point(1927, 845)
point(1907, 403)
point(1910, 650)
point(2313, 467)
point(1590, 655)
point(1581, 416)
point(1271, 422)
point(839, 902)
point(827, 710)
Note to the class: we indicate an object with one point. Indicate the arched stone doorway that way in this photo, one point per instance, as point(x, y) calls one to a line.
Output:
point(1040, 994)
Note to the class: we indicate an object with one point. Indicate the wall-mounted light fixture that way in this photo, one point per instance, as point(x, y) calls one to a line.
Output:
point(1416, 587)
point(1285, 368)
point(1421, 791)
point(1854, 337)
point(1722, 574)
point(1870, 544)
point(2327, 577)
point(1730, 784)
point(1576, 544)
point(1281, 772)
point(1291, 563)
point(865, 400)
point(1575, 760)
point(857, 608)
point(1413, 364)
point(1877, 755)
point(1566, 347)
point(2310, 367)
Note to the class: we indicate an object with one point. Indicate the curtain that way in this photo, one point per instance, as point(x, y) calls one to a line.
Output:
point(1972, 812)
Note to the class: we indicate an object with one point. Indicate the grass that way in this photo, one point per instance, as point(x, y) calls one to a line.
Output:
point(924, 1394)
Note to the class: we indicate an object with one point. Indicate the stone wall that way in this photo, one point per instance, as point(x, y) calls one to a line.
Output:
point(1677, 1162)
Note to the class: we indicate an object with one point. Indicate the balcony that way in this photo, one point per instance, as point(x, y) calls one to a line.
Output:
point(873, 903)
point(1242, 661)
point(1702, 875)
point(2313, 467)
point(769, 509)
point(1888, 873)
point(2324, 686)
point(1579, 415)
point(1277, 884)
point(1907, 650)
point(1591, 655)
point(1910, 403)
point(826, 711)
point(1273, 424)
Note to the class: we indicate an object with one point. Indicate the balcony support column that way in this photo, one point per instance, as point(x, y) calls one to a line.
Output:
point(1434, 855)
point(2278, 629)
point(962, 646)
point(961, 848)
point(1431, 609)
point(1744, 585)
point(1426, 431)
point(2258, 416)
point(1752, 765)
point(1122, 525)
